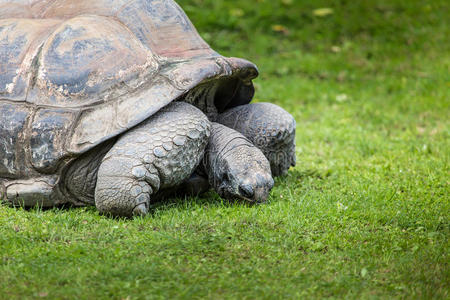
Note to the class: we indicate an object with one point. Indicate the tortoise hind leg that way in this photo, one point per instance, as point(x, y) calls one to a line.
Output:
point(158, 154)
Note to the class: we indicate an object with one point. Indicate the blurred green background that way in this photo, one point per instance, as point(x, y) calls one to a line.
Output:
point(364, 214)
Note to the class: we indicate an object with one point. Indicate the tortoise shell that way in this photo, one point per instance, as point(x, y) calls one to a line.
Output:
point(76, 73)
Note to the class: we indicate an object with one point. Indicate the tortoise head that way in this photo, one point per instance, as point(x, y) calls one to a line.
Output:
point(236, 168)
point(245, 178)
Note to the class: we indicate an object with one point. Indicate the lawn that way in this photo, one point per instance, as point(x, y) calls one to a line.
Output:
point(364, 214)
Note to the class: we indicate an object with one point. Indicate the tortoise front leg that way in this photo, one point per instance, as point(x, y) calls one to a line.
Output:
point(268, 127)
point(158, 154)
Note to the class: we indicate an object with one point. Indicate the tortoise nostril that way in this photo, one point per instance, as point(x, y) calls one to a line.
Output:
point(246, 190)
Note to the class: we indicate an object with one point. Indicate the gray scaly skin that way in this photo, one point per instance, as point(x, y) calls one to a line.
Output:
point(236, 169)
point(268, 127)
point(143, 164)
point(79, 126)
point(158, 154)
point(122, 175)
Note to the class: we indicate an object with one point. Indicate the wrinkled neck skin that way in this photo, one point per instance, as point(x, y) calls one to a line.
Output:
point(223, 151)
point(203, 97)
point(216, 165)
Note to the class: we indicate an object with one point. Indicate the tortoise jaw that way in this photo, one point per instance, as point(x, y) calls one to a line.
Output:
point(258, 192)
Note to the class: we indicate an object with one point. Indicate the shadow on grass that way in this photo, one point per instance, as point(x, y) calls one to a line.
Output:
point(161, 204)
point(210, 199)
point(183, 202)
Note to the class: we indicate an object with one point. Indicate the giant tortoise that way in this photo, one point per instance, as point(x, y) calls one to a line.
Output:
point(113, 102)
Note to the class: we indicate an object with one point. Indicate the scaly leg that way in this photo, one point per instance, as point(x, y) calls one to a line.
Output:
point(158, 154)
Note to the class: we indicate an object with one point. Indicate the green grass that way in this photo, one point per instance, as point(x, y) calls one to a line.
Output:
point(364, 214)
